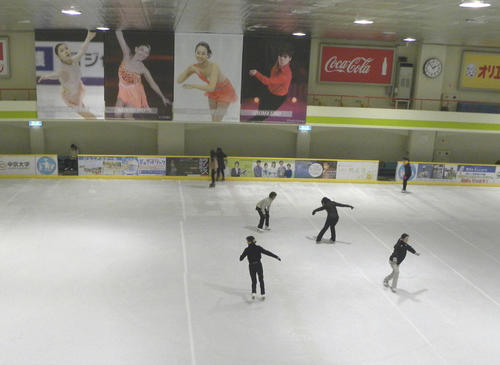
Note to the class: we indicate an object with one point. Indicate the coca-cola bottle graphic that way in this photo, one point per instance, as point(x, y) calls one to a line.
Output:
point(384, 67)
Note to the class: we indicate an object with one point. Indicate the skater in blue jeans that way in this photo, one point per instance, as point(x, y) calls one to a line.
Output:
point(396, 259)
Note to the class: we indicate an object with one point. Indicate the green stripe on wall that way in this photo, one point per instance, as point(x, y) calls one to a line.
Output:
point(403, 123)
point(10, 114)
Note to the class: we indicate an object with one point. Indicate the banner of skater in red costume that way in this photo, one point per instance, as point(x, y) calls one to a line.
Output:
point(274, 74)
point(139, 67)
point(207, 77)
point(70, 74)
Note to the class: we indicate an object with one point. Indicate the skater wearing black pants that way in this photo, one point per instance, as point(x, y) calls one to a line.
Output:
point(396, 259)
point(212, 164)
point(406, 177)
point(331, 220)
point(221, 163)
point(263, 208)
point(254, 253)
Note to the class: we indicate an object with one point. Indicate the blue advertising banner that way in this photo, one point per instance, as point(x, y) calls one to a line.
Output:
point(315, 169)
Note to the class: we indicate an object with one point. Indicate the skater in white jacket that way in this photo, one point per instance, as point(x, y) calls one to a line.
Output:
point(263, 209)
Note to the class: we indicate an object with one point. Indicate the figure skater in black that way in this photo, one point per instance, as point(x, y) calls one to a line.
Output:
point(406, 177)
point(331, 220)
point(396, 259)
point(253, 253)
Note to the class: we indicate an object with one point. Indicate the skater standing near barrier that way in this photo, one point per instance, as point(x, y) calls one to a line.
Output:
point(331, 220)
point(407, 176)
point(221, 163)
point(396, 259)
point(254, 253)
point(212, 164)
point(263, 208)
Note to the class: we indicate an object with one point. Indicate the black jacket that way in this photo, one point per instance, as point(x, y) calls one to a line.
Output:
point(253, 253)
point(331, 208)
point(220, 159)
point(400, 249)
point(407, 170)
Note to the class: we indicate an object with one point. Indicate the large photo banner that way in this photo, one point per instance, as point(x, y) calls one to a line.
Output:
point(260, 167)
point(4, 57)
point(275, 73)
point(94, 165)
point(139, 71)
point(208, 77)
point(356, 65)
point(70, 74)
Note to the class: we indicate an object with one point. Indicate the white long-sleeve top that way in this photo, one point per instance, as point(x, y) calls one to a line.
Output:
point(265, 204)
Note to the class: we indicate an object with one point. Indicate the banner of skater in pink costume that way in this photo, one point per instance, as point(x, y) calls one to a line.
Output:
point(274, 79)
point(138, 68)
point(70, 74)
point(451, 173)
point(207, 77)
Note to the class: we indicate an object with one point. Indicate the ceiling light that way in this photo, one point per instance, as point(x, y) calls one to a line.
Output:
point(102, 28)
point(298, 34)
point(474, 4)
point(71, 12)
point(363, 21)
point(409, 39)
point(25, 21)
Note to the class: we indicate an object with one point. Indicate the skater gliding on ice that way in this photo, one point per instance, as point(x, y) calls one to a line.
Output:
point(263, 208)
point(407, 176)
point(331, 220)
point(396, 259)
point(254, 253)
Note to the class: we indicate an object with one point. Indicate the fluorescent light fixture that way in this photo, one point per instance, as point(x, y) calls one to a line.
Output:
point(474, 4)
point(363, 21)
point(71, 12)
point(305, 128)
point(35, 123)
point(102, 28)
point(409, 39)
point(24, 21)
point(298, 34)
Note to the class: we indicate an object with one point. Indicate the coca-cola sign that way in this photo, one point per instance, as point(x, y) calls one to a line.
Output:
point(357, 65)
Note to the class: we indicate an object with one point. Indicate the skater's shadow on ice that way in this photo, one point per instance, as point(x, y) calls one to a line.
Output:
point(242, 294)
point(325, 240)
point(251, 228)
point(406, 295)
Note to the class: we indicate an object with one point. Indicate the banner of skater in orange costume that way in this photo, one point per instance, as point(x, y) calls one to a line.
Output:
point(207, 77)
point(274, 79)
point(70, 74)
point(138, 68)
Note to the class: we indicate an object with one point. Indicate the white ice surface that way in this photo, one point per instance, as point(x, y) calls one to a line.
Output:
point(147, 272)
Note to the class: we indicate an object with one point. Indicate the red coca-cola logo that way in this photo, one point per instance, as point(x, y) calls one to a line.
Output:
point(358, 65)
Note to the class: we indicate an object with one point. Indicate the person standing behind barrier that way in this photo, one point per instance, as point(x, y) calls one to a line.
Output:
point(396, 259)
point(221, 163)
point(213, 167)
point(254, 254)
point(263, 208)
point(407, 175)
point(331, 220)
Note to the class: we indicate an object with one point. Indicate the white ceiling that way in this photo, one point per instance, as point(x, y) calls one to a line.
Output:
point(430, 21)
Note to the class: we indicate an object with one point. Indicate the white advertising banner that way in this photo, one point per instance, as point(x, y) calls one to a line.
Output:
point(90, 165)
point(17, 165)
point(357, 170)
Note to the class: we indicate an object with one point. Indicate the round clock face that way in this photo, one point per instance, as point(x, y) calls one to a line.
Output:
point(433, 67)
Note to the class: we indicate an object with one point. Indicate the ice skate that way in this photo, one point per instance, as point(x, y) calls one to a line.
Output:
point(394, 290)
point(253, 296)
point(386, 283)
point(263, 297)
point(211, 185)
point(267, 228)
point(331, 240)
point(260, 229)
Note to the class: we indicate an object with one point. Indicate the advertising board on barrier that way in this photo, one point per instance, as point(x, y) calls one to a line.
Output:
point(152, 166)
point(260, 167)
point(90, 165)
point(357, 170)
point(315, 169)
point(187, 166)
point(356, 65)
point(17, 165)
point(46, 165)
point(451, 173)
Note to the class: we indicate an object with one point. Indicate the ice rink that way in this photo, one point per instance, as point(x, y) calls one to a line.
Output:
point(147, 272)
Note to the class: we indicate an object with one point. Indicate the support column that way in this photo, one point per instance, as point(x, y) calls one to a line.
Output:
point(303, 146)
point(421, 145)
point(37, 140)
point(170, 139)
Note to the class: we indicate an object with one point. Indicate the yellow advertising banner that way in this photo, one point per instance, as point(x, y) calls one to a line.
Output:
point(480, 71)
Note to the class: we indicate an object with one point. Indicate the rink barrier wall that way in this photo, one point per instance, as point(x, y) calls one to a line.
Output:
point(196, 168)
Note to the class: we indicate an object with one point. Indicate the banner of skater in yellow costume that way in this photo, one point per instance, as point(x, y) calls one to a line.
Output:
point(139, 67)
point(70, 74)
